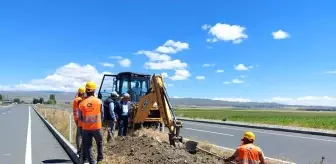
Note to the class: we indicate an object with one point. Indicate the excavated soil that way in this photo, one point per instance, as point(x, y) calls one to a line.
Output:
point(151, 150)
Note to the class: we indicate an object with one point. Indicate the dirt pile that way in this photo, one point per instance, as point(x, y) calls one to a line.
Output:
point(144, 149)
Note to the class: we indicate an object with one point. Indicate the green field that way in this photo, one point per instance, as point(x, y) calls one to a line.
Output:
point(323, 120)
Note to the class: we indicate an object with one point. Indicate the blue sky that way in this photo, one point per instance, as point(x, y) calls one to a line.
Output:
point(48, 45)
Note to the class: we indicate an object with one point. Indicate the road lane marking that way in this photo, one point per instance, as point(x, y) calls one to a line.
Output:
point(209, 132)
point(28, 157)
point(287, 135)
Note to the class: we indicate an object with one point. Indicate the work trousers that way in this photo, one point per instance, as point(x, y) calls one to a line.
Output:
point(78, 137)
point(122, 125)
point(87, 137)
point(110, 129)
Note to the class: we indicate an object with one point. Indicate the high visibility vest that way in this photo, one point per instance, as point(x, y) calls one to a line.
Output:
point(90, 109)
point(75, 110)
point(249, 154)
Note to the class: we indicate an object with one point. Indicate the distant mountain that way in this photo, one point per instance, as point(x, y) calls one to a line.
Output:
point(62, 97)
point(219, 103)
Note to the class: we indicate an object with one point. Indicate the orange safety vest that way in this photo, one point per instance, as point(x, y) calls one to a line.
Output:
point(249, 154)
point(90, 109)
point(75, 110)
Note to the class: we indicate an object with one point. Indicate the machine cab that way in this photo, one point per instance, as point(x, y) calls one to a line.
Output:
point(135, 84)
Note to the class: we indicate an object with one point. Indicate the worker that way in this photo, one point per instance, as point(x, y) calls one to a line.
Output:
point(92, 115)
point(247, 152)
point(136, 92)
point(110, 105)
point(75, 107)
point(123, 114)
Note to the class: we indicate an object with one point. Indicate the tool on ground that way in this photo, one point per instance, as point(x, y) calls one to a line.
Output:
point(192, 148)
point(151, 104)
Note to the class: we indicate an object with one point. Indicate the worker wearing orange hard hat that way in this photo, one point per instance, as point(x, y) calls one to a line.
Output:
point(247, 152)
point(92, 116)
point(75, 108)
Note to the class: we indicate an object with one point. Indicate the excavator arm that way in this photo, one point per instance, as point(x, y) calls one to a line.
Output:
point(159, 95)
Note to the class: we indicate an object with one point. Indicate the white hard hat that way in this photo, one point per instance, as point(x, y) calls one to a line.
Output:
point(114, 94)
point(126, 95)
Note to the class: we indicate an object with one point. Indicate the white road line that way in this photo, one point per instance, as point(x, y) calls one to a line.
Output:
point(3, 113)
point(279, 134)
point(28, 157)
point(209, 132)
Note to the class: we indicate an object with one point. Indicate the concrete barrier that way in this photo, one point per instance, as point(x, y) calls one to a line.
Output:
point(259, 127)
point(67, 146)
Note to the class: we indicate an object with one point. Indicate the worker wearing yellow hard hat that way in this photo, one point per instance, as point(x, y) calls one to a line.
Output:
point(76, 113)
point(92, 116)
point(247, 152)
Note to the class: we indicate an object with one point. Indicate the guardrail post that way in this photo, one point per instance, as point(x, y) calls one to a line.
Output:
point(70, 129)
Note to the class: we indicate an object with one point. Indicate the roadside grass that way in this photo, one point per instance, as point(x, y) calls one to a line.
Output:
point(321, 120)
point(60, 120)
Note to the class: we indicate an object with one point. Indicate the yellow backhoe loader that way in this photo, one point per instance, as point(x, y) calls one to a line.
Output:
point(151, 104)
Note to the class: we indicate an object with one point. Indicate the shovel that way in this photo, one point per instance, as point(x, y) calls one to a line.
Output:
point(192, 148)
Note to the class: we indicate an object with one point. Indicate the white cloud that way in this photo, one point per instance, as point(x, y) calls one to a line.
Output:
point(234, 81)
point(154, 56)
point(227, 32)
point(66, 78)
point(208, 65)
point(331, 72)
point(242, 67)
point(116, 57)
point(172, 47)
point(219, 71)
point(206, 26)
point(167, 65)
point(107, 64)
point(200, 77)
point(164, 74)
point(125, 62)
point(180, 75)
point(306, 100)
point(233, 99)
point(280, 34)
point(237, 81)
point(159, 59)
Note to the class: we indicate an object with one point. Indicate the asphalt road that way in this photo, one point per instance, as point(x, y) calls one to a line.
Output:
point(298, 148)
point(25, 139)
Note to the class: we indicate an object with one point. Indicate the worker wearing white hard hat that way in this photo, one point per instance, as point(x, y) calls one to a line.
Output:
point(124, 114)
point(111, 104)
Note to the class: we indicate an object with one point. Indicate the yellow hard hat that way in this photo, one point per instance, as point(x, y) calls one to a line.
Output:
point(81, 90)
point(90, 86)
point(249, 135)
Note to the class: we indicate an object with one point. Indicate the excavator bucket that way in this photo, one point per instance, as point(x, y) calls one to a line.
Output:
point(191, 146)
